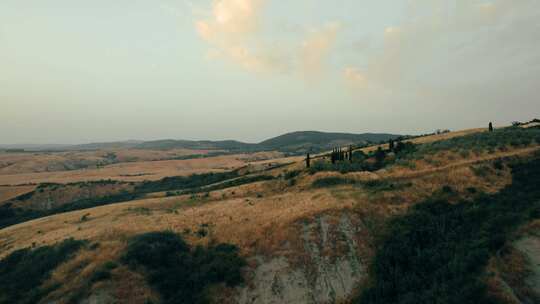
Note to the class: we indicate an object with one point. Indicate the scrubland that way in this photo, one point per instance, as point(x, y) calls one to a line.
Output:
point(293, 231)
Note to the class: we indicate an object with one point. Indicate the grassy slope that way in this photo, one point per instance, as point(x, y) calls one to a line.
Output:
point(257, 216)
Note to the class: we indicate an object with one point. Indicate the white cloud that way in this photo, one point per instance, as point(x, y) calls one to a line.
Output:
point(233, 29)
point(444, 47)
point(354, 77)
point(317, 47)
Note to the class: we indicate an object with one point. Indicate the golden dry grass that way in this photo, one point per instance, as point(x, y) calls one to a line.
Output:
point(260, 218)
point(245, 215)
point(10, 192)
point(146, 170)
point(32, 162)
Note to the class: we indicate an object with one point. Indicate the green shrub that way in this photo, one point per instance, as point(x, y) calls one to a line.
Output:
point(23, 271)
point(291, 174)
point(179, 273)
point(331, 181)
point(100, 275)
point(437, 252)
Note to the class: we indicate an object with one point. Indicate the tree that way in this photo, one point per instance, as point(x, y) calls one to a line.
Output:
point(490, 127)
point(308, 161)
point(391, 145)
point(379, 155)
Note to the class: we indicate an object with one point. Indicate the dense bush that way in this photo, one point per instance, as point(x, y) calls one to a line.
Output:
point(437, 253)
point(179, 273)
point(23, 271)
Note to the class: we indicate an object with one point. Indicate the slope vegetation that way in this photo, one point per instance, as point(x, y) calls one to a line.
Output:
point(327, 234)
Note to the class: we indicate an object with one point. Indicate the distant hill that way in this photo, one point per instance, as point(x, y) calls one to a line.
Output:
point(128, 144)
point(305, 141)
point(295, 143)
point(196, 145)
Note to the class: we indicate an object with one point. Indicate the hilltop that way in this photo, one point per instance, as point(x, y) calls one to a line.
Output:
point(295, 142)
point(441, 211)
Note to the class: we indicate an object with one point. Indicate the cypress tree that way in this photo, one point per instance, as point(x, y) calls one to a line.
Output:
point(308, 161)
point(490, 127)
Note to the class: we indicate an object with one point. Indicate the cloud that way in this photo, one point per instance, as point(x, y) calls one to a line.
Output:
point(445, 47)
point(354, 77)
point(317, 47)
point(233, 30)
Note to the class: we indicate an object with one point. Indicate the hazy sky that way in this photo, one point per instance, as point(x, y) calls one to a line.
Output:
point(74, 71)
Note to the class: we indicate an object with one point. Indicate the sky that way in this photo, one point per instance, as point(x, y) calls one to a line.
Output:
point(91, 71)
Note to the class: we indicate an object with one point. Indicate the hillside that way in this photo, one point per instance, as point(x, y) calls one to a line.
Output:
point(319, 141)
point(410, 224)
point(295, 142)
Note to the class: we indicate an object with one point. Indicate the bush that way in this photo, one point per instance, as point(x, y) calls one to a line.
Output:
point(23, 271)
point(291, 174)
point(437, 253)
point(179, 273)
point(331, 181)
point(103, 272)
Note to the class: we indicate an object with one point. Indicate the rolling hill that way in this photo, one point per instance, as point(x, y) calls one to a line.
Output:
point(447, 218)
point(295, 142)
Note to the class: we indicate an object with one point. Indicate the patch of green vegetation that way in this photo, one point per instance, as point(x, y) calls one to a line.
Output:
point(437, 252)
point(185, 182)
point(232, 183)
point(103, 272)
point(291, 174)
point(372, 186)
point(373, 161)
point(384, 185)
point(483, 141)
point(331, 182)
point(199, 156)
point(140, 210)
point(23, 271)
point(179, 273)
point(10, 215)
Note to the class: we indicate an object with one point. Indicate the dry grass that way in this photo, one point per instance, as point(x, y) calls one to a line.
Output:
point(147, 170)
point(16, 163)
point(9, 192)
point(264, 218)
point(431, 138)
point(510, 270)
point(75, 275)
point(252, 216)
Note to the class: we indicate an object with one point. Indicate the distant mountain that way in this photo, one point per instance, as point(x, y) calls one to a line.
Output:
point(295, 143)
